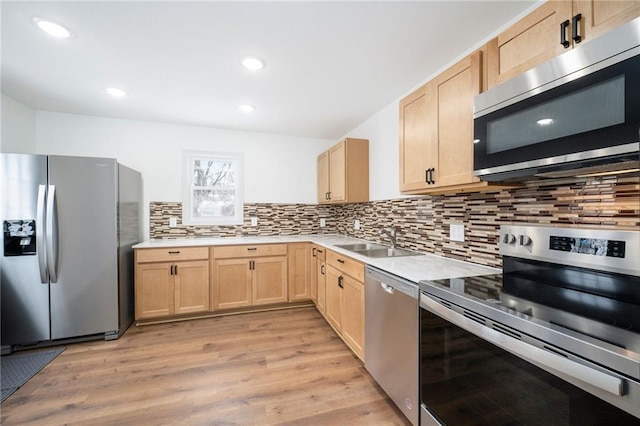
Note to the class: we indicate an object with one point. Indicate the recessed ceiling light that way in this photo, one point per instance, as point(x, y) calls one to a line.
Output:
point(115, 92)
point(252, 63)
point(545, 121)
point(52, 28)
point(246, 108)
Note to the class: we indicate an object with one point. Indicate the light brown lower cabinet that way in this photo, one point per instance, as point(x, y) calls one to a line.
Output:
point(345, 300)
point(248, 275)
point(164, 288)
point(300, 267)
point(320, 272)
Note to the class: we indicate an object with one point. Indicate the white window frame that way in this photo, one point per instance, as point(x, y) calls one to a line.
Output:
point(188, 188)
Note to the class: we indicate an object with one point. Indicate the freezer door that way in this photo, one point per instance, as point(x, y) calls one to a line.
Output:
point(84, 296)
point(24, 289)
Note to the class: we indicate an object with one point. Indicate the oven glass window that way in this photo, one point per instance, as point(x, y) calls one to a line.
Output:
point(468, 381)
point(594, 107)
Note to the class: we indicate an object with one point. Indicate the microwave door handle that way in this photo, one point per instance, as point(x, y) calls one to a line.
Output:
point(534, 355)
point(563, 34)
point(40, 234)
point(52, 234)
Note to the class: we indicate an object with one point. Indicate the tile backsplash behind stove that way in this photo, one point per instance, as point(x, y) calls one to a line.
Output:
point(422, 223)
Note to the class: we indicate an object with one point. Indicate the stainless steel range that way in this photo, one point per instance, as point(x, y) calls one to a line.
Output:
point(554, 339)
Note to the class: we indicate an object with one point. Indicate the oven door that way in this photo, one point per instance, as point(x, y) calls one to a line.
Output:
point(470, 375)
point(588, 121)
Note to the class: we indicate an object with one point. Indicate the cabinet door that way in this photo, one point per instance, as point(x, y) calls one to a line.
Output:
point(334, 280)
point(418, 139)
point(154, 290)
point(353, 315)
point(231, 283)
point(313, 274)
point(338, 172)
point(299, 264)
point(454, 90)
point(321, 302)
point(529, 42)
point(600, 16)
point(269, 278)
point(323, 178)
point(191, 282)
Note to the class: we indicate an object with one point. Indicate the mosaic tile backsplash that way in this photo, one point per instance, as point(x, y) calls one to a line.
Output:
point(422, 223)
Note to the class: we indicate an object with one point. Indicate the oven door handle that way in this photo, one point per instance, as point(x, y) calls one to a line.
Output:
point(537, 356)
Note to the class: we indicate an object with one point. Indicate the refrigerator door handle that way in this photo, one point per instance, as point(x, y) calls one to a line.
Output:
point(40, 234)
point(52, 234)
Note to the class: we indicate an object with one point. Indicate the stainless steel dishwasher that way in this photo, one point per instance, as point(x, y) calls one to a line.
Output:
point(391, 338)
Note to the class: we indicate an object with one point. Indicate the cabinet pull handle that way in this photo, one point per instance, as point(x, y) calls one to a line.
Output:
point(171, 270)
point(340, 261)
point(575, 23)
point(426, 176)
point(432, 180)
point(322, 269)
point(563, 34)
point(329, 195)
point(175, 269)
point(340, 280)
point(251, 265)
point(252, 248)
point(174, 252)
point(314, 252)
point(320, 251)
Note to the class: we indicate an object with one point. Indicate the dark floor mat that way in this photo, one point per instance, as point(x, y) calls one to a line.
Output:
point(17, 369)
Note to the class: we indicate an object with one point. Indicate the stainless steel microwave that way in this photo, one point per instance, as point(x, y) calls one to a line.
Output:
point(576, 114)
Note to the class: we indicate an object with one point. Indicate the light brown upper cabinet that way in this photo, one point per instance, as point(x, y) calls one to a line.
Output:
point(343, 172)
point(551, 29)
point(436, 132)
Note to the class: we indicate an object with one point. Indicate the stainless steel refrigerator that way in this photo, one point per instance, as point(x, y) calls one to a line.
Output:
point(69, 224)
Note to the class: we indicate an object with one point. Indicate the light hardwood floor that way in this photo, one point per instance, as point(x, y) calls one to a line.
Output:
point(280, 367)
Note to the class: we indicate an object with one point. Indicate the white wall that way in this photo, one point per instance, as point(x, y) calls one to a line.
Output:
point(278, 169)
point(384, 160)
point(18, 127)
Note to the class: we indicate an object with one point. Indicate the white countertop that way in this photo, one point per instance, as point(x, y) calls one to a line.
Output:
point(412, 268)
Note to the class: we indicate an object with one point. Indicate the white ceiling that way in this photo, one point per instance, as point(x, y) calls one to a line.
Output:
point(329, 65)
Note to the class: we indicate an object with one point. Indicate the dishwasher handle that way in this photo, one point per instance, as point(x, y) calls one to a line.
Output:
point(387, 288)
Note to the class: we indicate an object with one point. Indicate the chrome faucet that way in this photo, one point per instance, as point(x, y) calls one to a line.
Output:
point(391, 233)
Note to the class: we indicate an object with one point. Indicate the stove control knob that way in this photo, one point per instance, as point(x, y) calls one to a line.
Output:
point(508, 238)
point(524, 240)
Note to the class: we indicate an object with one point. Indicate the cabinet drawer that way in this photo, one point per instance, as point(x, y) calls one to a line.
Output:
point(248, 250)
point(171, 254)
point(346, 264)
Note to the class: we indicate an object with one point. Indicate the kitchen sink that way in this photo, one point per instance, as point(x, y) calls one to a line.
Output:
point(377, 250)
point(387, 252)
point(361, 247)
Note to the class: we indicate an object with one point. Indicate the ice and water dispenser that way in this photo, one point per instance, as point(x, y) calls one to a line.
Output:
point(19, 237)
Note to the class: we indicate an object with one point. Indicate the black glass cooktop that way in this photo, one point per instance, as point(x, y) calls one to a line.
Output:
point(562, 295)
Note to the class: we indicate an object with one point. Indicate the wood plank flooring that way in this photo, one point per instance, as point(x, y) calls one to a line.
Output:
point(279, 367)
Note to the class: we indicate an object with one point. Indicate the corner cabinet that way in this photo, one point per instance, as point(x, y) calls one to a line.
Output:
point(550, 30)
point(171, 281)
point(343, 172)
point(345, 300)
point(436, 132)
point(248, 275)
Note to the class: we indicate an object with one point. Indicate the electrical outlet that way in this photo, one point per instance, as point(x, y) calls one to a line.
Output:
point(456, 232)
point(323, 223)
point(254, 221)
point(173, 222)
point(356, 225)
